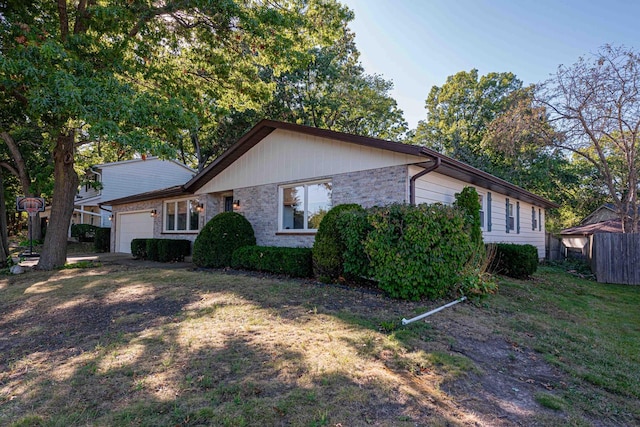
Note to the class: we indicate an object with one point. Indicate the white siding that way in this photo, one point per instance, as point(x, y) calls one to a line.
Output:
point(121, 179)
point(285, 156)
point(435, 187)
point(128, 178)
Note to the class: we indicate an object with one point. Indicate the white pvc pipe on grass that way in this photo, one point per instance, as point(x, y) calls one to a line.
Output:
point(422, 316)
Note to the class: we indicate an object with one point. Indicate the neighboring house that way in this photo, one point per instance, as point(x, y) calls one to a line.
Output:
point(282, 177)
point(119, 179)
point(603, 213)
point(577, 240)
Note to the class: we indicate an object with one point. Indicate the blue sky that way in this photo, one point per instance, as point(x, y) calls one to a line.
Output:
point(418, 43)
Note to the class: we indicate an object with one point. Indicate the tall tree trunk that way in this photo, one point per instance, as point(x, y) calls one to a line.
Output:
point(4, 241)
point(54, 252)
point(22, 173)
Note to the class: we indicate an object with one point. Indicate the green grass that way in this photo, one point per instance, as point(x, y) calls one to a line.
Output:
point(589, 330)
point(121, 346)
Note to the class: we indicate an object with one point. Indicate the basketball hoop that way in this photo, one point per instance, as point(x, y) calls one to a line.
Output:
point(31, 205)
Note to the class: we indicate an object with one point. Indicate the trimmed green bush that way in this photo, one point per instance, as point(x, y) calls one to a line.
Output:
point(222, 235)
point(102, 240)
point(517, 261)
point(170, 250)
point(162, 250)
point(290, 261)
point(417, 251)
point(329, 247)
point(152, 249)
point(83, 232)
point(139, 248)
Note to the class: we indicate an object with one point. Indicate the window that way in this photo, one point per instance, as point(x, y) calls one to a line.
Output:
point(509, 216)
point(302, 206)
point(539, 219)
point(481, 200)
point(182, 215)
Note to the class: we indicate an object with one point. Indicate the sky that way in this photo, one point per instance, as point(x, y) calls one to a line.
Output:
point(419, 43)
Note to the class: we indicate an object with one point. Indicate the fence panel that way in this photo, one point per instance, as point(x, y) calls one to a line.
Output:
point(615, 257)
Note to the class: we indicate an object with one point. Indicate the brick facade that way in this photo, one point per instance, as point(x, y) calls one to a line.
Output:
point(259, 204)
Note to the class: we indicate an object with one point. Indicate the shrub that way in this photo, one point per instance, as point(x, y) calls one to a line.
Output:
point(222, 235)
point(291, 261)
point(173, 249)
point(102, 240)
point(354, 228)
point(151, 250)
point(468, 201)
point(329, 247)
point(417, 251)
point(139, 248)
point(518, 261)
point(83, 232)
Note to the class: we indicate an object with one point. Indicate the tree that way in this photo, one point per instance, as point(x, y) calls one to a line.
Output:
point(88, 71)
point(459, 112)
point(329, 90)
point(595, 103)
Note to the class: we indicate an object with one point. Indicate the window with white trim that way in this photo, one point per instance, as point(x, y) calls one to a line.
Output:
point(302, 206)
point(510, 218)
point(181, 215)
point(481, 200)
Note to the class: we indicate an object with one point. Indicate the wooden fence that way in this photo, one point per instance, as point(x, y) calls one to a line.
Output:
point(615, 257)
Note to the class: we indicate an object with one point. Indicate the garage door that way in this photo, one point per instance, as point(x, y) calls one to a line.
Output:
point(131, 226)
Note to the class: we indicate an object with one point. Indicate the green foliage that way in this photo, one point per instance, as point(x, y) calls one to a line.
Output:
point(329, 247)
point(139, 248)
point(290, 261)
point(102, 239)
point(83, 232)
point(518, 261)
point(417, 251)
point(170, 250)
point(459, 111)
point(220, 237)
point(151, 249)
point(161, 250)
point(354, 228)
point(468, 202)
point(81, 264)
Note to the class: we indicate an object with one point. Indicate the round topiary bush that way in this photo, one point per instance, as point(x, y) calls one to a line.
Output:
point(222, 235)
point(329, 246)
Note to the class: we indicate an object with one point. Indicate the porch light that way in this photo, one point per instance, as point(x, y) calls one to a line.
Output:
point(236, 204)
point(154, 213)
point(110, 217)
point(199, 208)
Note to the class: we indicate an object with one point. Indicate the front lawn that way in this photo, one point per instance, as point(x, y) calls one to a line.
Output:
point(120, 346)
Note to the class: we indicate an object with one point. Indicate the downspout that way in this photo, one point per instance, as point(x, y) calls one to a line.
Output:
point(412, 181)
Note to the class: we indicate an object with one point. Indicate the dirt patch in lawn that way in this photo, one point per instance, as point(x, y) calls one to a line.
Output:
point(121, 345)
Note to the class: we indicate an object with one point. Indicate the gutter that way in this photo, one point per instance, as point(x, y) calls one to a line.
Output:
point(412, 181)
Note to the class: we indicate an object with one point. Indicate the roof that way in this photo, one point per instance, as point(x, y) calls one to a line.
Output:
point(150, 158)
point(175, 191)
point(448, 166)
point(610, 226)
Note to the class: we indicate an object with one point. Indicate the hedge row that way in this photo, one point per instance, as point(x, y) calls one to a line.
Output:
point(162, 250)
point(294, 262)
point(83, 232)
point(102, 239)
point(518, 261)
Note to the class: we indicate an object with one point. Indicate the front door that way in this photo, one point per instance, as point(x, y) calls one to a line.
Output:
point(228, 204)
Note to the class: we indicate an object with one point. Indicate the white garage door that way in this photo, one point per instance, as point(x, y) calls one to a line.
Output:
point(138, 225)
